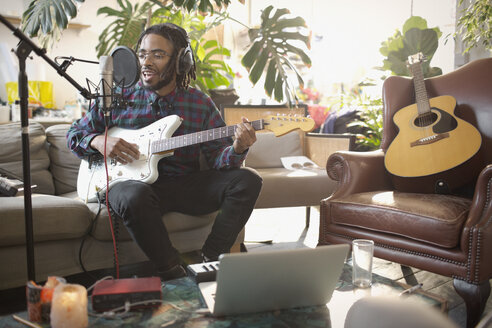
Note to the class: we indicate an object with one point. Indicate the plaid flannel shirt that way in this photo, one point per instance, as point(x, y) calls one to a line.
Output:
point(197, 110)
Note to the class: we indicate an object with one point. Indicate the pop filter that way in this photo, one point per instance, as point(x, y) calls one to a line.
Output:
point(125, 66)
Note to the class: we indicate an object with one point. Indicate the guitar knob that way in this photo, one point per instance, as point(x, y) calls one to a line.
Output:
point(120, 173)
point(110, 177)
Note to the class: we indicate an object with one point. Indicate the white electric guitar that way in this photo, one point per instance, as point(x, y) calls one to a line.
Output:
point(155, 142)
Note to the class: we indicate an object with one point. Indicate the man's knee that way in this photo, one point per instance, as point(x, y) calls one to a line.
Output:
point(129, 197)
point(251, 180)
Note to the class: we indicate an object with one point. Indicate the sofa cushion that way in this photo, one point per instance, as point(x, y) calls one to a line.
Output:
point(64, 165)
point(11, 154)
point(175, 222)
point(285, 188)
point(54, 218)
point(411, 215)
point(268, 149)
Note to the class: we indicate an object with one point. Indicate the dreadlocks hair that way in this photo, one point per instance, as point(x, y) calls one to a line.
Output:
point(179, 38)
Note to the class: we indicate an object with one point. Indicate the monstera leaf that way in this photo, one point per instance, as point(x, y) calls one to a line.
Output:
point(270, 52)
point(416, 37)
point(125, 29)
point(46, 14)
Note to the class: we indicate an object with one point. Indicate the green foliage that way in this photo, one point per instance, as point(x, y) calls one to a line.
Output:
point(272, 46)
point(415, 37)
point(46, 18)
point(125, 29)
point(202, 6)
point(370, 123)
point(211, 73)
point(368, 126)
point(475, 25)
point(273, 41)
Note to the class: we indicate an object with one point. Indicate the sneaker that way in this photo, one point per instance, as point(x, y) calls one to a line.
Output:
point(175, 272)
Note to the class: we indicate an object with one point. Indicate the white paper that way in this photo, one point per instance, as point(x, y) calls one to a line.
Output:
point(298, 163)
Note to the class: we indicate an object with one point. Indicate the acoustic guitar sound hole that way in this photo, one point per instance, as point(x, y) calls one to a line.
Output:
point(425, 119)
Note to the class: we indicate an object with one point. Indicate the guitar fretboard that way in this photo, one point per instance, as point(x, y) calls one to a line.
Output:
point(421, 98)
point(163, 145)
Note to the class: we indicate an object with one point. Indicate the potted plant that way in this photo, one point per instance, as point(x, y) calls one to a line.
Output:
point(414, 37)
point(475, 25)
point(273, 40)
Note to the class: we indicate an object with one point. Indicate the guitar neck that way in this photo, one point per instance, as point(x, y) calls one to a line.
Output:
point(421, 98)
point(163, 145)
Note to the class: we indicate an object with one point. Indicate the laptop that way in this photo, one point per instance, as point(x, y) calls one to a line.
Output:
point(274, 280)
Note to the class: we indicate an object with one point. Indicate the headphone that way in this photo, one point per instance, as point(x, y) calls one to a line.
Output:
point(184, 60)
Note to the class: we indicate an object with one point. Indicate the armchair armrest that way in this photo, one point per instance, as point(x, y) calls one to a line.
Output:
point(358, 172)
point(481, 208)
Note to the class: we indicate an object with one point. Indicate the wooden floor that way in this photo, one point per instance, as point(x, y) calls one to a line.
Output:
point(286, 228)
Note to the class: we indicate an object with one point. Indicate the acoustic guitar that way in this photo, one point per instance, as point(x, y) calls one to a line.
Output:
point(431, 139)
point(155, 142)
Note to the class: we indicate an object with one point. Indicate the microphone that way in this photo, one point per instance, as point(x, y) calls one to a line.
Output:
point(106, 73)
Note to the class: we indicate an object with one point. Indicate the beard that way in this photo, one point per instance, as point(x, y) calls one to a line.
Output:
point(166, 77)
point(162, 83)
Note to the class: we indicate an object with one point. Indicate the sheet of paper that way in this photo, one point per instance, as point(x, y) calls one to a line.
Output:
point(298, 163)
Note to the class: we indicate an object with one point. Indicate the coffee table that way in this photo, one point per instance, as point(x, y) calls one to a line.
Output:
point(183, 297)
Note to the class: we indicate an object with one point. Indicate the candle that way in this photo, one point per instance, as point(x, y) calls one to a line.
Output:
point(69, 307)
point(39, 299)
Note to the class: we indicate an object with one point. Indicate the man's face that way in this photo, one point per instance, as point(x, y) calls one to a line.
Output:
point(154, 55)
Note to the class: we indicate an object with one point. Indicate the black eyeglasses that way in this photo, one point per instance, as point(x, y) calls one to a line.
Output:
point(155, 55)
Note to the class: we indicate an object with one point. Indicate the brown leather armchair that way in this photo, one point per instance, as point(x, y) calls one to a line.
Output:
point(410, 224)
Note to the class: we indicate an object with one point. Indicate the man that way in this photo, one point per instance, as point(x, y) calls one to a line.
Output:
point(181, 186)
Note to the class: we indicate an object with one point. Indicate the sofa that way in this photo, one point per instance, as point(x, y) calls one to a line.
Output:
point(69, 235)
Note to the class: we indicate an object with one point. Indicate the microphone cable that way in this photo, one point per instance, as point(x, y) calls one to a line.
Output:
point(115, 248)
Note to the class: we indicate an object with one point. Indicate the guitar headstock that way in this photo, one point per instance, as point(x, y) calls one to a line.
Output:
point(416, 59)
point(282, 124)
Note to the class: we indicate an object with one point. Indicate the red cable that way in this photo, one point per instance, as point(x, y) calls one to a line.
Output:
point(107, 206)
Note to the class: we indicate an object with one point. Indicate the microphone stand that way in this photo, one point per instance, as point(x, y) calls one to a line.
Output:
point(24, 48)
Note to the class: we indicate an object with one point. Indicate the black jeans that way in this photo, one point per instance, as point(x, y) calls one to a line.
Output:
point(141, 206)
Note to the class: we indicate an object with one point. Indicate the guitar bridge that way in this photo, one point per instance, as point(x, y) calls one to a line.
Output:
point(429, 139)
